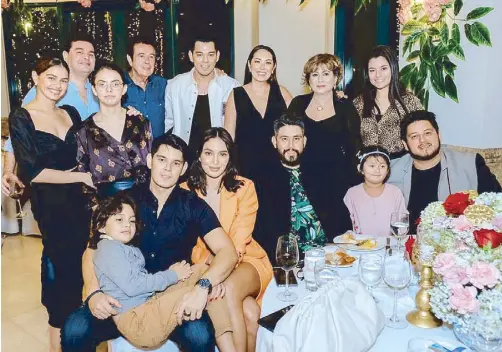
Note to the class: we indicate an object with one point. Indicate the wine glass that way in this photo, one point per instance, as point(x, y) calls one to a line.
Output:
point(287, 256)
point(397, 275)
point(15, 193)
point(399, 225)
point(370, 271)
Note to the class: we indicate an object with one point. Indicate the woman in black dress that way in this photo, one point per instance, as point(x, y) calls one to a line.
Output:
point(45, 148)
point(251, 110)
point(332, 127)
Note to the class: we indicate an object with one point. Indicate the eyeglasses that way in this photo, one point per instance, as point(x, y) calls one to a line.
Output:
point(115, 85)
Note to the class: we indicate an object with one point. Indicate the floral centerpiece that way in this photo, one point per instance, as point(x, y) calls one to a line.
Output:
point(465, 233)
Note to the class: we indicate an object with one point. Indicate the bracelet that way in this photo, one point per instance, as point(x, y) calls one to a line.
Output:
point(92, 294)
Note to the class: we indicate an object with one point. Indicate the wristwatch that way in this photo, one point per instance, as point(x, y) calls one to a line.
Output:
point(205, 284)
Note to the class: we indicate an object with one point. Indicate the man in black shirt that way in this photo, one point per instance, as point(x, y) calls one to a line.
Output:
point(172, 219)
point(431, 172)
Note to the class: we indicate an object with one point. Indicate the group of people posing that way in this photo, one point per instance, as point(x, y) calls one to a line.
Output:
point(164, 199)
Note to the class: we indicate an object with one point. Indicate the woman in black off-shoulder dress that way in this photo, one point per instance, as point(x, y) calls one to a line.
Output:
point(45, 148)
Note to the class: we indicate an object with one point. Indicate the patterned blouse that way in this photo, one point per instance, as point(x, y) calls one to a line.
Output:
point(385, 132)
point(304, 221)
point(106, 158)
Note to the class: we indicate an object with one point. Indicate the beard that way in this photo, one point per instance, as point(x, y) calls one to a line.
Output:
point(430, 156)
point(291, 161)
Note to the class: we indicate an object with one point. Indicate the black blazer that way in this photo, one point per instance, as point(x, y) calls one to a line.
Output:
point(274, 198)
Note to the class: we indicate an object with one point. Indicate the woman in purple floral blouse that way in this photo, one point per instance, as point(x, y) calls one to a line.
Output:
point(112, 145)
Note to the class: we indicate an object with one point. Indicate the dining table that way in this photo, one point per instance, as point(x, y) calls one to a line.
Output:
point(389, 340)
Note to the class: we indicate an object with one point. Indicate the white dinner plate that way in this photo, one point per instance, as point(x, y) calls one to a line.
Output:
point(380, 243)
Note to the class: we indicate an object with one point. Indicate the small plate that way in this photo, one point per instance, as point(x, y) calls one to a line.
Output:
point(333, 249)
point(380, 243)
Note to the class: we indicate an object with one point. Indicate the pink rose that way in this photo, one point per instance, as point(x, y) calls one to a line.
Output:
point(463, 299)
point(483, 274)
point(405, 3)
point(461, 223)
point(456, 275)
point(497, 222)
point(404, 15)
point(443, 263)
point(434, 10)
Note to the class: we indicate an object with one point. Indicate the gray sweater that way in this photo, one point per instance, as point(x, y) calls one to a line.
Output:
point(121, 273)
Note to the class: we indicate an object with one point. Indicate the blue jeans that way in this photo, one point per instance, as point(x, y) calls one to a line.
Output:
point(82, 332)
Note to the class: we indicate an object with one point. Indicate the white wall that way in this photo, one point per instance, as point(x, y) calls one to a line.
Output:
point(246, 14)
point(476, 121)
point(295, 33)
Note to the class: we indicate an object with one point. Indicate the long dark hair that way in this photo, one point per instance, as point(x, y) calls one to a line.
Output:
point(247, 73)
point(396, 89)
point(197, 176)
point(107, 208)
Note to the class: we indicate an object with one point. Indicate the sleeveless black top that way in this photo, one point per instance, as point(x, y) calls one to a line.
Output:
point(253, 132)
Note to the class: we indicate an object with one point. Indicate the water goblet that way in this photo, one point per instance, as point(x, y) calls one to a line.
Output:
point(399, 225)
point(397, 275)
point(370, 271)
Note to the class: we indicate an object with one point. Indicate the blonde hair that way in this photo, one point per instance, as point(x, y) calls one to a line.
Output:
point(331, 62)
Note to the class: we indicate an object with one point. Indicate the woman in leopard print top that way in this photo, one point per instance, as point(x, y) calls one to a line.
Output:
point(384, 102)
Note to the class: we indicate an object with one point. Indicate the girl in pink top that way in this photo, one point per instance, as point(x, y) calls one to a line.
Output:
point(372, 202)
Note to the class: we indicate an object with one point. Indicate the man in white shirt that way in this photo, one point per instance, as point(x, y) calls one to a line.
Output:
point(195, 101)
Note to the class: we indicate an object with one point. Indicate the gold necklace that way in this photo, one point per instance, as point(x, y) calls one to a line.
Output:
point(320, 107)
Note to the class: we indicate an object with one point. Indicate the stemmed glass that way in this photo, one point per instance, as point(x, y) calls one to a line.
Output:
point(15, 193)
point(370, 271)
point(399, 225)
point(287, 256)
point(397, 275)
point(324, 273)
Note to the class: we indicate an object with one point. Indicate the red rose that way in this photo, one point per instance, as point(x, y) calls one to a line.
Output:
point(485, 237)
point(456, 203)
point(409, 245)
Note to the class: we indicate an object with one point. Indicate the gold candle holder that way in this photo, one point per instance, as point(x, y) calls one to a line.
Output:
point(423, 317)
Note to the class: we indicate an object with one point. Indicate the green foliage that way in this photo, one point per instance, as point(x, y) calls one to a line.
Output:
point(457, 6)
point(478, 13)
point(430, 46)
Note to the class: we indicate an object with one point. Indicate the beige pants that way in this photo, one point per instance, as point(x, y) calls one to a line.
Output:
point(150, 324)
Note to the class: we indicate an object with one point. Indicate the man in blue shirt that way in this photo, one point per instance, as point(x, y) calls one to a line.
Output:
point(172, 220)
point(79, 55)
point(145, 90)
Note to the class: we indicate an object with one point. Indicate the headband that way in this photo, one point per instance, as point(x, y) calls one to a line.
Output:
point(375, 152)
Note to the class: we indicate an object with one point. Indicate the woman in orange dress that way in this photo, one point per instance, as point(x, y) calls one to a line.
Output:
point(214, 178)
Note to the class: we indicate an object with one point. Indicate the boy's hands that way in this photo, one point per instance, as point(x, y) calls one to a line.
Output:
point(182, 269)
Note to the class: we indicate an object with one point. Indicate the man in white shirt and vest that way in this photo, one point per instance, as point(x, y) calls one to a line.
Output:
point(195, 101)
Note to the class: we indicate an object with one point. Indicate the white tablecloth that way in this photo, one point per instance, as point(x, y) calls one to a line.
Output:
point(389, 340)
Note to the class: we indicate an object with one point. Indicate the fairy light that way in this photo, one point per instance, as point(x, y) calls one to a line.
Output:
point(108, 20)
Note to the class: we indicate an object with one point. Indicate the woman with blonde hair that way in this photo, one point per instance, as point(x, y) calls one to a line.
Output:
point(332, 128)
